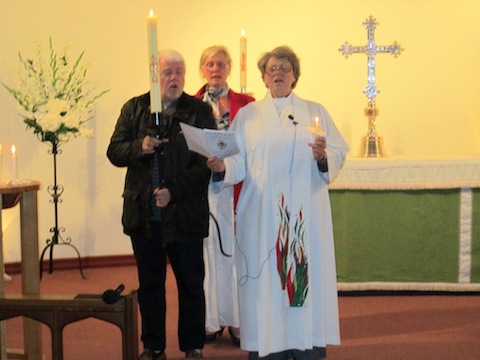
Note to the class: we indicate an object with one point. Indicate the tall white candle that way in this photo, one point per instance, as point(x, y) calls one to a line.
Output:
point(243, 61)
point(155, 93)
point(1, 164)
point(14, 165)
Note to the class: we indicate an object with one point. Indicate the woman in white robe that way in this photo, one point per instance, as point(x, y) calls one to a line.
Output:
point(220, 283)
point(285, 252)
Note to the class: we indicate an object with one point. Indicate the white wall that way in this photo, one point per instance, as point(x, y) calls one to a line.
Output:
point(428, 102)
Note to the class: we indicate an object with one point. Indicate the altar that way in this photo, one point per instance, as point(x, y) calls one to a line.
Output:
point(408, 223)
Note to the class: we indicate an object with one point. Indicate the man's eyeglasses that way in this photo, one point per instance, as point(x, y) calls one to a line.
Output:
point(170, 72)
point(282, 68)
point(220, 65)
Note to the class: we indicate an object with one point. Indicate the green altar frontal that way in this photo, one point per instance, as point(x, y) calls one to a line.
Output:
point(407, 224)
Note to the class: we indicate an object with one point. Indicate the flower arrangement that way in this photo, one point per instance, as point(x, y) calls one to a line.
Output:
point(54, 97)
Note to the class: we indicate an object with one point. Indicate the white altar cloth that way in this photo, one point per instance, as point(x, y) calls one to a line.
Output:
point(408, 173)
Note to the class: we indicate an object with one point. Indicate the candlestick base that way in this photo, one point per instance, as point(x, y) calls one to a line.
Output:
point(372, 146)
point(56, 192)
point(159, 125)
point(316, 130)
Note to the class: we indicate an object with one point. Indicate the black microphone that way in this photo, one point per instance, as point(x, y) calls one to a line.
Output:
point(293, 119)
point(112, 296)
point(294, 140)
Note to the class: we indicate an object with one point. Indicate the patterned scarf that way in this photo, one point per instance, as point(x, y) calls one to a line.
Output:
point(211, 96)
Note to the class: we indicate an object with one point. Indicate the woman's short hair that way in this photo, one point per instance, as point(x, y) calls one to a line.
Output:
point(215, 50)
point(284, 53)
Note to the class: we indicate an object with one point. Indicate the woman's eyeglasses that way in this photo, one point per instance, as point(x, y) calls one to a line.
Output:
point(282, 68)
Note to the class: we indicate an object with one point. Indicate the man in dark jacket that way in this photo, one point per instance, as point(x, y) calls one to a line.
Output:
point(165, 209)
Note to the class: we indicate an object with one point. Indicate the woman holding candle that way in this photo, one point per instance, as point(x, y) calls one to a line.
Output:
point(220, 281)
point(285, 253)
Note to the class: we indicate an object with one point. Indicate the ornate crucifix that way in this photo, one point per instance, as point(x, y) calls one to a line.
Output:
point(373, 146)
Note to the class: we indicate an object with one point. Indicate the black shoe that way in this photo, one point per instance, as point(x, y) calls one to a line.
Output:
point(149, 354)
point(235, 338)
point(193, 354)
point(211, 337)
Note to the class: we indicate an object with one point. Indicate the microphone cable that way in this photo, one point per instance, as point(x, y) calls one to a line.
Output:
point(295, 123)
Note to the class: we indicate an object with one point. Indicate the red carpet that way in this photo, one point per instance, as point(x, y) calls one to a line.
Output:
point(372, 327)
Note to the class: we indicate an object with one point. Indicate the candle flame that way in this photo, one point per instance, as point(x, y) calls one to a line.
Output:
point(242, 32)
point(13, 149)
point(316, 121)
point(151, 13)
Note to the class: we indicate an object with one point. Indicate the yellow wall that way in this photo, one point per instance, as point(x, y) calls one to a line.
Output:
point(428, 101)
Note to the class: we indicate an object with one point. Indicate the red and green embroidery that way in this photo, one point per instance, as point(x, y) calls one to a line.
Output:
point(292, 259)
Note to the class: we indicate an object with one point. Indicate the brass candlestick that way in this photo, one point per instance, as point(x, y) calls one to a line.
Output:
point(372, 145)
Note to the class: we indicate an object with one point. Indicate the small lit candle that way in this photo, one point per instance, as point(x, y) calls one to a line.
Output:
point(155, 93)
point(14, 165)
point(316, 129)
point(243, 61)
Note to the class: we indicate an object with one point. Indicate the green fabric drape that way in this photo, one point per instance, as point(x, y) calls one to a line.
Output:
point(400, 236)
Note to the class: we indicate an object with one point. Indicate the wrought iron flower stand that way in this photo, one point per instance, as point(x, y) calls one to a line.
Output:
point(55, 192)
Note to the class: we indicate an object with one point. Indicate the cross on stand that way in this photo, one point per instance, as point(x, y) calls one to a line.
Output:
point(373, 146)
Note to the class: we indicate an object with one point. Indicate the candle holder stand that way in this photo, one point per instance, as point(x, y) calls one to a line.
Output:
point(55, 192)
point(372, 145)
